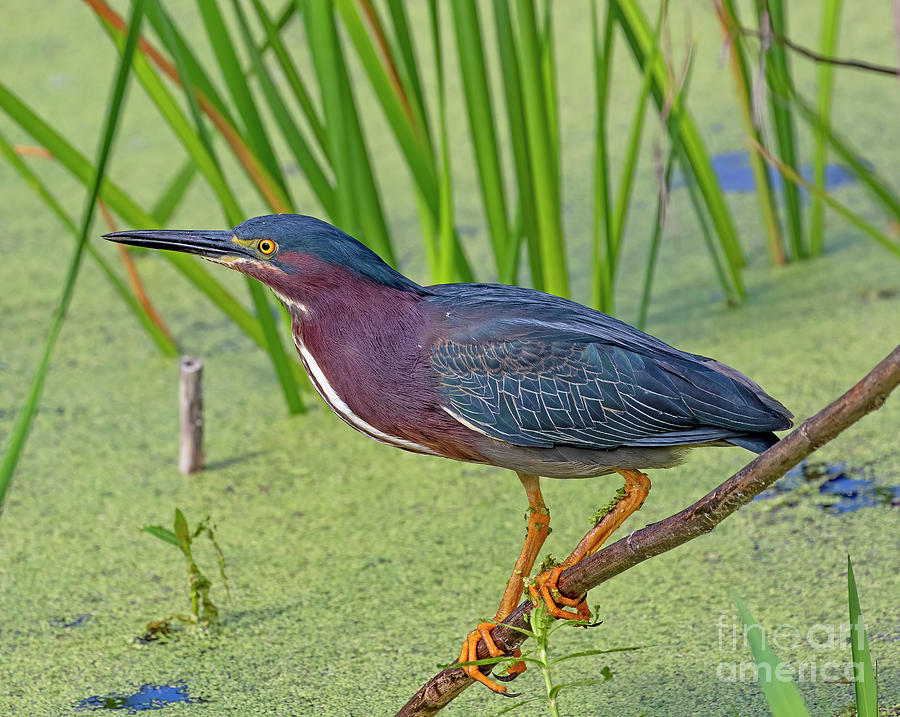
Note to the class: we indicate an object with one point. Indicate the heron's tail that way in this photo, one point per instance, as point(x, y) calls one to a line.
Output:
point(756, 442)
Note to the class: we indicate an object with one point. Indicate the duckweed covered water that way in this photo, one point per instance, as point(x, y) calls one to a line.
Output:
point(358, 568)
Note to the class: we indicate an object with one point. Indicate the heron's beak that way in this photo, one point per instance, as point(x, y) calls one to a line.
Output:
point(209, 244)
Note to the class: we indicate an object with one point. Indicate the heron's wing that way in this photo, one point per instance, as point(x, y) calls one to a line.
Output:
point(544, 388)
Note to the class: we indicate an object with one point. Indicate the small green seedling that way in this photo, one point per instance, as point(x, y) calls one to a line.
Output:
point(543, 625)
point(203, 611)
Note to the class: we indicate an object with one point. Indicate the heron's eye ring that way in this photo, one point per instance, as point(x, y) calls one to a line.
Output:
point(266, 247)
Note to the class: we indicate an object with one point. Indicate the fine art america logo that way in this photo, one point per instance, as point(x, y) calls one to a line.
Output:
point(819, 653)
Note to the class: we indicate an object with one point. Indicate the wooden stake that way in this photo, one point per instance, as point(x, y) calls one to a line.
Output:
point(190, 415)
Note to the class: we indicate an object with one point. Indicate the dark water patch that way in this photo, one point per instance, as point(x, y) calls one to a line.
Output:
point(78, 621)
point(148, 697)
point(873, 294)
point(844, 488)
point(735, 174)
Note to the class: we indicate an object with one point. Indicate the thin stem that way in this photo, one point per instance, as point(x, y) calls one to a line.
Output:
point(817, 57)
point(540, 624)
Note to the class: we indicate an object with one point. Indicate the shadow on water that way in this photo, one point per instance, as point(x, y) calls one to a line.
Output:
point(841, 488)
point(148, 697)
point(735, 174)
point(233, 460)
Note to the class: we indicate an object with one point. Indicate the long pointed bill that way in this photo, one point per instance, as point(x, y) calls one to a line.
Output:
point(209, 244)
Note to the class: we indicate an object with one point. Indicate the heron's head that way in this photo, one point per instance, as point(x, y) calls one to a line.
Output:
point(284, 251)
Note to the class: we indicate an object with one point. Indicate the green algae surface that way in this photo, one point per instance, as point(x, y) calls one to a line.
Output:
point(357, 568)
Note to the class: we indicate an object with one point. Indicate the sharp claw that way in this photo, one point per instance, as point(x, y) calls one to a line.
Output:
point(509, 694)
point(506, 678)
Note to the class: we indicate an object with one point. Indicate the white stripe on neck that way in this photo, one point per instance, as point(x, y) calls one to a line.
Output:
point(291, 303)
point(337, 404)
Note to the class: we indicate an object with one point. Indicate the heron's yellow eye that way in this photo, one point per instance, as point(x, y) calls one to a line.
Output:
point(266, 246)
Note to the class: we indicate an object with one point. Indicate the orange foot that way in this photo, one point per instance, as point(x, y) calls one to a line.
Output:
point(469, 653)
point(544, 590)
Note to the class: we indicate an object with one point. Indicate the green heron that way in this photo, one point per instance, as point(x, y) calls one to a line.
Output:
point(490, 374)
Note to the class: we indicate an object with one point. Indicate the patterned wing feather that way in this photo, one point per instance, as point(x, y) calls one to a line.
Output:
point(545, 391)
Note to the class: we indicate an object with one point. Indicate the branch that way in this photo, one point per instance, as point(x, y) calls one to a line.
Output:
point(817, 57)
point(704, 515)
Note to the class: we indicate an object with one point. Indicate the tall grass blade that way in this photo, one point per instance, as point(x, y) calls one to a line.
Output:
point(281, 21)
point(267, 187)
point(653, 251)
point(201, 148)
point(633, 145)
point(322, 39)
point(771, 14)
point(782, 695)
point(399, 63)
point(301, 93)
point(387, 53)
point(231, 70)
point(864, 682)
point(172, 195)
point(407, 65)
point(405, 120)
point(473, 67)
point(125, 207)
point(728, 18)
point(358, 206)
point(664, 179)
point(445, 224)
point(195, 140)
point(65, 153)
point(525, 223)
point(638, 34)
point(165, 344)
point(411, 138)
point(728, 273)
point(189, 68)
point(548, 73)
point(179, 54)
point(207, 97)
point(544, 176)
point(831, 19)
point(23, 423)
point(857, 221)
point(729, 278)
point(602, 283)
point(302, 153)
point(864, 172)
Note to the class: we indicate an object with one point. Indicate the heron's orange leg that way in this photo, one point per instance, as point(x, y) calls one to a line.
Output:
point(536, 534)
point(637, 486)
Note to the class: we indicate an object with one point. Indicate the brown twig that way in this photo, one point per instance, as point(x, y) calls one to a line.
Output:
point(817, 57)
point(698, 519)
